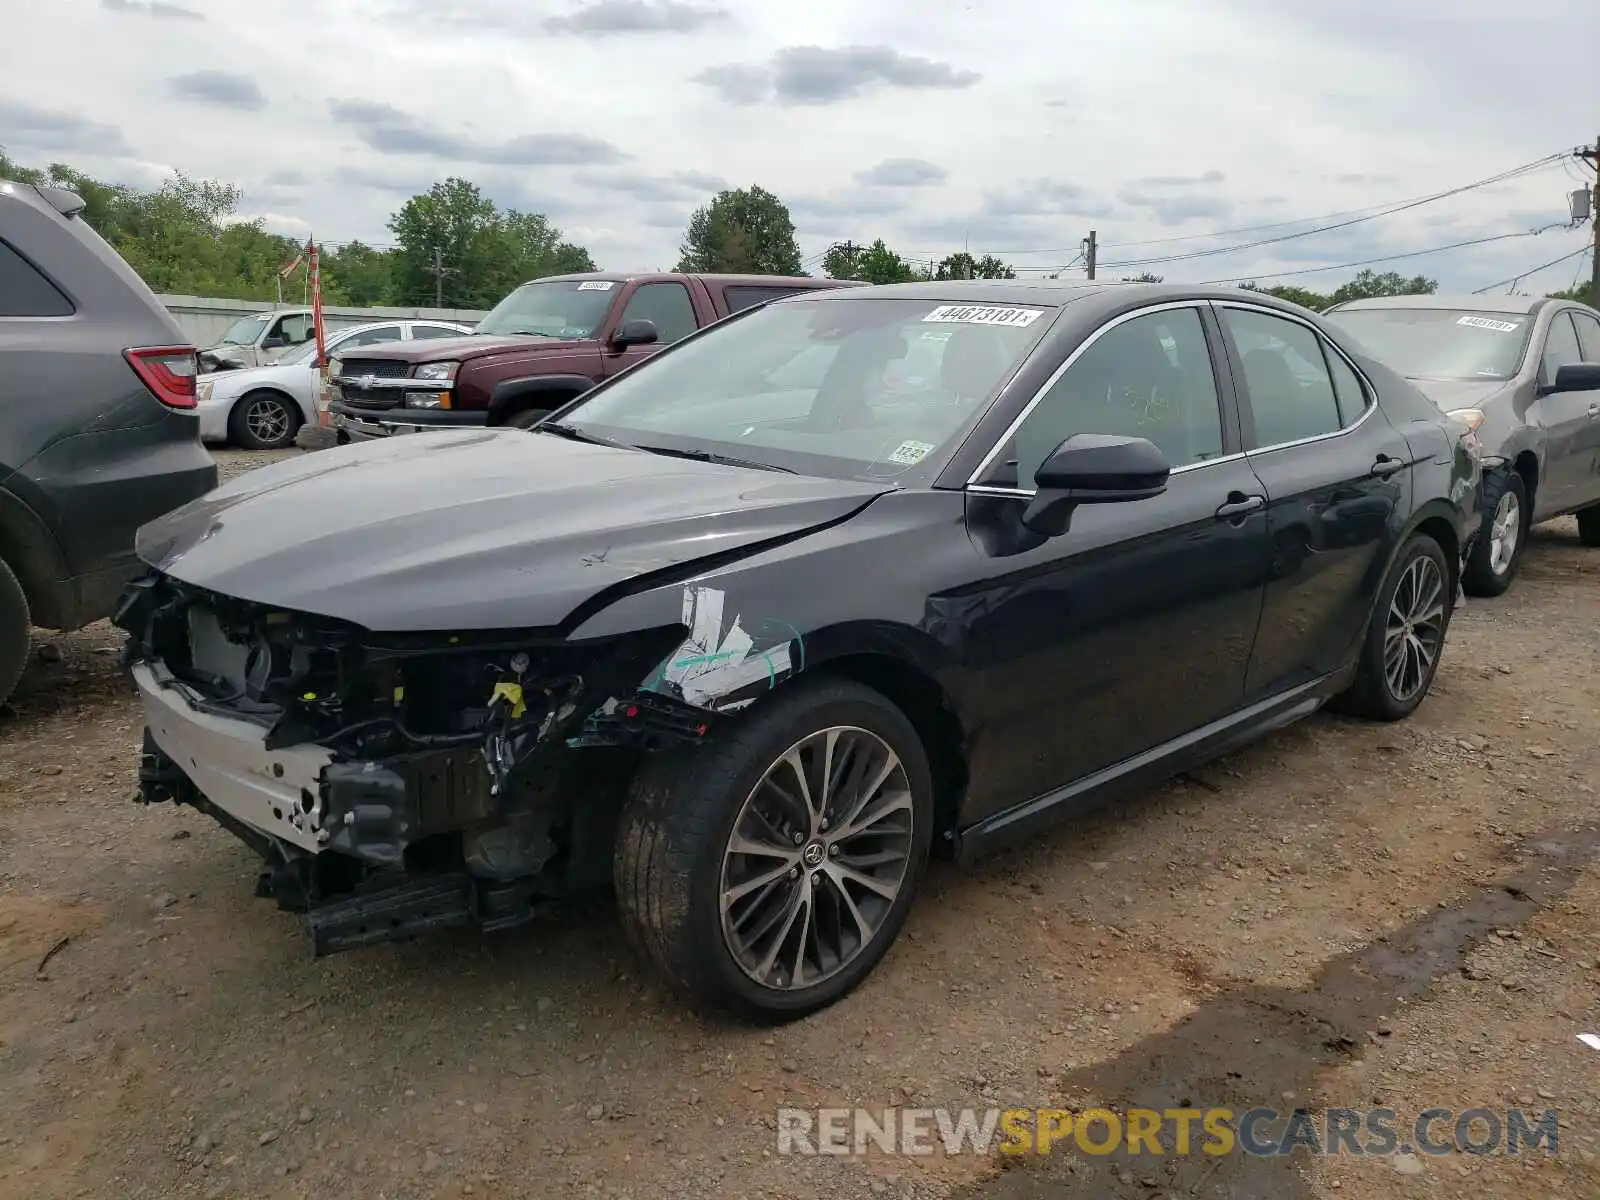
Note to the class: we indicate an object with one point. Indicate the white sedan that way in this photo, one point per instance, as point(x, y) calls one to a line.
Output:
point(262, 408)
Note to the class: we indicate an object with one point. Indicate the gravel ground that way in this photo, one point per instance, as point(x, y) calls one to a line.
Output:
point(1344, 914)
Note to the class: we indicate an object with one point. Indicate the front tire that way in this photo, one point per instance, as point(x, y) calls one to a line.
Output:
point(1405, 639)
point(16, 624)
point(528, 417)
point(264, 420)
point(1495, 557)
point(1589, 525)
point(768, 873)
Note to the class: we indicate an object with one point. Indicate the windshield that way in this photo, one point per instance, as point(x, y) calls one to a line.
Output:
point(858, 388)
point(569, 309)
point(245, 330)
point(1439, 343)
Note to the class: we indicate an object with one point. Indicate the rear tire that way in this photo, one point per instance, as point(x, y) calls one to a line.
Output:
point(1589, 525)
point(1495, 557)
point(712, 830)
point(1405, 640)
point(16, 637)
point(264, 420)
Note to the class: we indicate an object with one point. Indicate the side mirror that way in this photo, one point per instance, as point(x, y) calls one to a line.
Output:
point(1575, 377)
point(274, 343)
point(634, 333)
point(1093, 468)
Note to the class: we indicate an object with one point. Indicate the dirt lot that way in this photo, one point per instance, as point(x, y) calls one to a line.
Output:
point(1346, 914)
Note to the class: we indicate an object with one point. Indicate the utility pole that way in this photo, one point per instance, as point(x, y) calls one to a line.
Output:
point(438, 270)
point(1593, 157)
point(1090, 245)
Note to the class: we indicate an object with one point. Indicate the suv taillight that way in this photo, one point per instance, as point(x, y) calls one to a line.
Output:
point(168, 371)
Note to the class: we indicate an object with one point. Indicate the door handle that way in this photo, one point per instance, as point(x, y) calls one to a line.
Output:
point(1239, 505)
point(1386, 466)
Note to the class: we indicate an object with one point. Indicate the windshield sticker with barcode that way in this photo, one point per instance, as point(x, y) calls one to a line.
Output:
point(595, 285)
point(1488, 323)
point(908, 454)
point(974, 314)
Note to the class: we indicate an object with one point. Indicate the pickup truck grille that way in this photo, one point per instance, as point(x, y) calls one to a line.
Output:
point(381, 368)
point(351, 391)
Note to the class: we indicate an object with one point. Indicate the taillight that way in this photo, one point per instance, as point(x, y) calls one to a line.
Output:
point(168, 371)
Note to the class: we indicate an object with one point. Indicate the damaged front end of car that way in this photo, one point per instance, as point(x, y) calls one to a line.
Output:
point(395, 784)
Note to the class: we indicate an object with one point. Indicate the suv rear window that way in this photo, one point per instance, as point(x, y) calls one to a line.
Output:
point(24, 290)
point(741, 296)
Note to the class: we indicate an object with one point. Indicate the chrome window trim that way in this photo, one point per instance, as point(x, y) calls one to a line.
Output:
point(1010, 493)
point(987, 461)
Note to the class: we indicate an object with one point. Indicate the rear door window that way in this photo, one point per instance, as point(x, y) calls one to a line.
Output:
point(25, 291)
point(1588, 336)
point(740, 296)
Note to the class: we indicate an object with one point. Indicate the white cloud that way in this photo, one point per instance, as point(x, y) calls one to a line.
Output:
point(1141, 119)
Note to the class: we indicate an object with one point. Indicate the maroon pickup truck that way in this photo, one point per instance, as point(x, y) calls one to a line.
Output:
point(547, 342)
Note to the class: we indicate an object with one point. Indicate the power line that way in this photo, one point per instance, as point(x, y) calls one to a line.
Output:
point(1289, 237)
point(1367, 262)
point(1581, 250)
point(1358, 216)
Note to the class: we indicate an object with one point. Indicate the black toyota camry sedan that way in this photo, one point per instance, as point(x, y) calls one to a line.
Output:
point(753, 629)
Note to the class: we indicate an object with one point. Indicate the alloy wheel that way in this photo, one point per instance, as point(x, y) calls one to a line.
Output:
point(1414, 631)
point(267, 420)
point(1505, 532)
point(817, 857)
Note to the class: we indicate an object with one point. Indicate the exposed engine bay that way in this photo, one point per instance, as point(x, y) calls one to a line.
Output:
point(397, 783)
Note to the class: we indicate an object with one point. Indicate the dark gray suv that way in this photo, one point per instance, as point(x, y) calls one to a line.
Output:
point(98, 430)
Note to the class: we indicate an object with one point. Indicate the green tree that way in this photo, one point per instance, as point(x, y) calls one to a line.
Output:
point(1584, 294)
point(483, 252)
point(360, 275)
point(742, 230)
point(869, 264)
point(962, 265)
point(1304, 297)
point(1367, 285)
point(1141, 277)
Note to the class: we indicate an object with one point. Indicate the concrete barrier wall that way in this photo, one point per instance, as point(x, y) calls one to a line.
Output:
point(206, 318)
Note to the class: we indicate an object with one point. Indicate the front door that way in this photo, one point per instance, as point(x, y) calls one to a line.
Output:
point(1136, 625)
point(1337, 478)
point(665, 305)
point(1571, 422)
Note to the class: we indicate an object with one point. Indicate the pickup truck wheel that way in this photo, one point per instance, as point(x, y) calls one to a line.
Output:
point(15, 631)
point(767, 872)
point(1495, 556)
point(528, 417)
point(1589, 525)
point(264, 420)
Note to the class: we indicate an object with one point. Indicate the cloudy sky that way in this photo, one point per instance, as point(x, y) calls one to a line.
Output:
point(1010, 129)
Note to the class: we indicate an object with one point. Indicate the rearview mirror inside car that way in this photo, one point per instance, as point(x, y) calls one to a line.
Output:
point(1093, 468)
point(1575, 377)
point(634, 333)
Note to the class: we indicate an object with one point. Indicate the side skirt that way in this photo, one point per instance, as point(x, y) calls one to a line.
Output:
point(1149, 769)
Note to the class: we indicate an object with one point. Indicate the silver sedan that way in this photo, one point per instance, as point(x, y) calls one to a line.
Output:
point(262, 408)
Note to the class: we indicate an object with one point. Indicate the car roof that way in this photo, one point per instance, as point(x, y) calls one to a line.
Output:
point(1099, 294)
point(1517, 305)
point(672, 276)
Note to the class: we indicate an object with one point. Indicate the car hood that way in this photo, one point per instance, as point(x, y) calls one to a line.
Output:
point(476, 529)
point(1451, 394)
point(448, 349)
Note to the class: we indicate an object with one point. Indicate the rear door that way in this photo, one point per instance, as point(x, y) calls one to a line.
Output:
point(1571, 420)
point(1338, 484)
